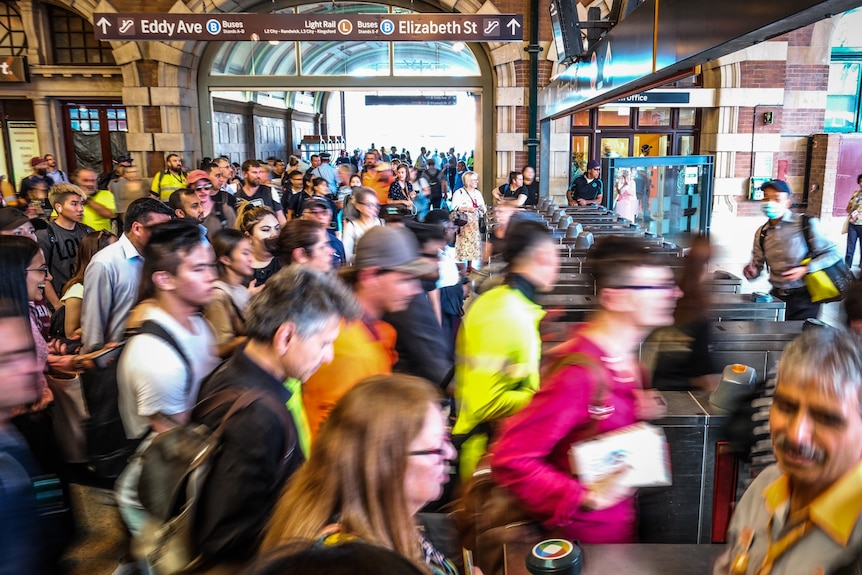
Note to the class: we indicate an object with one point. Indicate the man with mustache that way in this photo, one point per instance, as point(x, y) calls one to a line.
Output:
point(803, 514)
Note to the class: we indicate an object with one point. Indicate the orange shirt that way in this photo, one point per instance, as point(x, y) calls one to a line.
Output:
point(380, 183)
point(360, 350)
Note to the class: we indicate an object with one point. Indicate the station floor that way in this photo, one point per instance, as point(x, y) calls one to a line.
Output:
point(101, 542)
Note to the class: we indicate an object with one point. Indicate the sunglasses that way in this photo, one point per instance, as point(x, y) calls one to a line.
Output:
point(206, 187)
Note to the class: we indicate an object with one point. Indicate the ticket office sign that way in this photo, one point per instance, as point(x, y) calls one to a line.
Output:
point(310, 27)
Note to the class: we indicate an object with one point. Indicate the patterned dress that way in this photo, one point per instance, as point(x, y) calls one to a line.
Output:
point(468, 244)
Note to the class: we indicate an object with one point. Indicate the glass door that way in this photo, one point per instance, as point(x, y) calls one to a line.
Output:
point(95, 135)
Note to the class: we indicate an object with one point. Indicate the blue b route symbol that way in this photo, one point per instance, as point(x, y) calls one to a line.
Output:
point(213, 26)
point(387, 27)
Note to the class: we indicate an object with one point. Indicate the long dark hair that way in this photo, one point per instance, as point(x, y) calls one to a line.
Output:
point(16, 253)
point(694, 304)
point(224, 243)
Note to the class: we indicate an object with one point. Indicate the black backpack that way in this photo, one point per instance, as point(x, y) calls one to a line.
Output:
point(434, 183)
point(108, 448)
point(174, 471)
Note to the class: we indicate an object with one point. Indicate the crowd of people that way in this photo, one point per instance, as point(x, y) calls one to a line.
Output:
point(317, 319)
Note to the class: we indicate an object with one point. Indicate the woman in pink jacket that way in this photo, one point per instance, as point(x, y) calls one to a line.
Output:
point(603, 391)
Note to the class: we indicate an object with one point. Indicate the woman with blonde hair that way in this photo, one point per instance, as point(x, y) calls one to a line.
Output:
point(469, 200)
point(261, 226)
point(379, 458)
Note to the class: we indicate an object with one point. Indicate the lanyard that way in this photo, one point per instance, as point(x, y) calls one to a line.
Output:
point(774, 549)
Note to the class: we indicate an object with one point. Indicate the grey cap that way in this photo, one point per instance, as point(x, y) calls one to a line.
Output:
point(11, 218)
point(392, 249)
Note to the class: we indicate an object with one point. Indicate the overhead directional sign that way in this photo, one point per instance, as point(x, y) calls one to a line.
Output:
point(290, 27)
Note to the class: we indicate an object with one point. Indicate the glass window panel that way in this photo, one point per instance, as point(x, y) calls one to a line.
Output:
point(654, 116)
point(580, 155)
point(73, 113)
point(94, 114)
point(95, 125)
point(121, 113)
point(85, 126)
point(615, 147)
point(686, 146)
point(841, 113)
point(70, 30)
point(615, 116)
point(344, 58)
point(12, 39)
point(76, 125)
point(687, 116)
point(343, 8)
point(122, 126)
point(112, 114)
point(843, 78)
point(433, 59)
point(253, 58)
point(112, 125)
point(581, 118)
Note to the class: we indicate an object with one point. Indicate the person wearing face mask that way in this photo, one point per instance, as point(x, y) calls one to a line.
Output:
point(780, 244)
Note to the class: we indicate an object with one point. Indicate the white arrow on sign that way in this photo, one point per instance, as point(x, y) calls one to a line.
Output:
point(513, 24)
point(104, 23)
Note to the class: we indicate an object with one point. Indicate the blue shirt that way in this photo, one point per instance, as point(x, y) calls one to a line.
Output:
point(110, 291)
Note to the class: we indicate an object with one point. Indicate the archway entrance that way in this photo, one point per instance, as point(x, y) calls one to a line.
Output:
point(308, 80)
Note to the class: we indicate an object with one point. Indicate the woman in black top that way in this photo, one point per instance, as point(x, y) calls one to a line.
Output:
point(260, 224)
point(401, 190)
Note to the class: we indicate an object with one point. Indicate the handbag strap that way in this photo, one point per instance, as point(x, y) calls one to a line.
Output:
point(598, 408)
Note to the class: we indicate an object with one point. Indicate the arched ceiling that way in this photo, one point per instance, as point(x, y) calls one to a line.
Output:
point(344, 58)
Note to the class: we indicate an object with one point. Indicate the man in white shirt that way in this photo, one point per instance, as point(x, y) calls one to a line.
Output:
point(161, 368)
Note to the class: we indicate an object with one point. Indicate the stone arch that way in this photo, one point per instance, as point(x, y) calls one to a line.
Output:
point(159, 80)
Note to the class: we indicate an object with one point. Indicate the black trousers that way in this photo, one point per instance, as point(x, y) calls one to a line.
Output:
point(798, 302)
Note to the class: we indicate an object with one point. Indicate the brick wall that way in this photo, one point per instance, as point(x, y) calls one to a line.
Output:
point(802, 121)
point(762, 74)
point(807, 77)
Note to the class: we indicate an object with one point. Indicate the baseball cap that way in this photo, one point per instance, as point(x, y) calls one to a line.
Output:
point(393, 249)
point(316, 203)
point(593, 165)
point(38, 160)
point(779, 185)
point(197, 175)
point(646, 148)
point(11, 218)
point(325, 156)
point(125, 159)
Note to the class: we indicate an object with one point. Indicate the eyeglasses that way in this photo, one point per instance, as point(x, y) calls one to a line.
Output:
point(438, 452)
point(665, 286)
point(43, 270)
point(369, 204)
point(206, 187)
